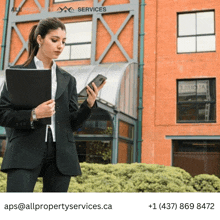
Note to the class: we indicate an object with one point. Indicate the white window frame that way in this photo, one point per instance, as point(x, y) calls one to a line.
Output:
point(191, 38)
point(78, 43)
point(63, 1)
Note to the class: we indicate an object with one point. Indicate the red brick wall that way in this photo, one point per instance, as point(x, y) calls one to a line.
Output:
point(2, 16)
point(163, 66)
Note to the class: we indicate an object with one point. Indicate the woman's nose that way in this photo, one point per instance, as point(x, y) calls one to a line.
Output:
point(59, 45)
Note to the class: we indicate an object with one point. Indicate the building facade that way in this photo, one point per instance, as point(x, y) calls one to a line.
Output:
point(160, 103)
point(102, 37)
point(181, 104)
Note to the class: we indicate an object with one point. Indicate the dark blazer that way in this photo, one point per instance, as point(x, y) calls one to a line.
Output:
point(26, 146)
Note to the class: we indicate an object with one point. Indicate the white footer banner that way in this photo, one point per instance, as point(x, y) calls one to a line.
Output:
point(115, 206)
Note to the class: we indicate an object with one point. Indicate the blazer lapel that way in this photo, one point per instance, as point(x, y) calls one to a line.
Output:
point(62, 81)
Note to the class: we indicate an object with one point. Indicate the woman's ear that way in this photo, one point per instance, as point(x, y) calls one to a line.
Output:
point(39, 39)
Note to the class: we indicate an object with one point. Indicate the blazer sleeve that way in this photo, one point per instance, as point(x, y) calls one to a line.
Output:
point(81, 114)
point(9, 117)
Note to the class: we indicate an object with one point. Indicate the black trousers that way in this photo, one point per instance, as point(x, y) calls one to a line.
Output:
point(24, 180)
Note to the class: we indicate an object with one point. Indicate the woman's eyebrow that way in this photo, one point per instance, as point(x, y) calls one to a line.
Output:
point(59, 37)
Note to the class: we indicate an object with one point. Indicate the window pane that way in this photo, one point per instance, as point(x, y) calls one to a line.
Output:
point(125, 152)
point(197, 146)
point(206, 112)
point(2, 130)
point(186, 91)
point(78, 32)
point(197, 157)
point(205, 23)
point(193, 93)
point(81, 51)
point(61, 1)
point(130, 153)
point(186, 112)
point(203, 90)
point(94, 151)
point(122, 152)
point(126, 130)
point(205, 43)
point(186, 44)
point(65, 55)
point(100, 122)
point(187, 24)
point(123, 129)
point(212, 90)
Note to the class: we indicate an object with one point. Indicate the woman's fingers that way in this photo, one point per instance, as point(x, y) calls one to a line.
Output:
point(49, 102)
point(95, 88)
point(46, 109)
point(52, 105)
point(91, 92)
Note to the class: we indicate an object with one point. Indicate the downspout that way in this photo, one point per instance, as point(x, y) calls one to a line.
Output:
point(140, 75)
point(4, 35)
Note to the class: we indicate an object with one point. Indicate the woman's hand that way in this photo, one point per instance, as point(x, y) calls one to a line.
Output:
point(92, 94)
point(46, 109)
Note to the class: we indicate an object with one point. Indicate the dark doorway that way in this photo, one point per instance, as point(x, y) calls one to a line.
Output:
point(197, 156)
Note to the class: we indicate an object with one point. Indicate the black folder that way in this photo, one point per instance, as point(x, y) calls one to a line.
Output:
point(28, 88)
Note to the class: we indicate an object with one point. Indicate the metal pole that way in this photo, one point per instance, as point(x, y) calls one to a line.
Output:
point(4, 35)
point(115, 140)
point(141, 64)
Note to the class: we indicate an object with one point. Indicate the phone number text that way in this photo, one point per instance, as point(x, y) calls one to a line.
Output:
point(185, 206)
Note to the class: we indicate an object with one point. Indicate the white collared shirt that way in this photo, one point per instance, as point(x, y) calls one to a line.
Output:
point(39, 65)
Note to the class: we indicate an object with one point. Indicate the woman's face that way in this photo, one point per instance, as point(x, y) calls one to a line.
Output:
point(52, 45)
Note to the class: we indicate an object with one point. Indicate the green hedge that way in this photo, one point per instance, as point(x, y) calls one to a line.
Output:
point(206, 183)
point(134, 177)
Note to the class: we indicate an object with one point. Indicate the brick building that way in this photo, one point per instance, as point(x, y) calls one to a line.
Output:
point(160, 103)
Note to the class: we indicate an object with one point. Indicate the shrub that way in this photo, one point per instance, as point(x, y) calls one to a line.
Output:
point(206, 183)
point(3, 178)
point(136, 177)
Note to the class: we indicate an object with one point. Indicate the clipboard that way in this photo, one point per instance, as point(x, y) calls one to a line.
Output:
point(28, 88)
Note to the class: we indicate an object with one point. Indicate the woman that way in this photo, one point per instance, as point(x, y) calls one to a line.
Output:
point(33, 148)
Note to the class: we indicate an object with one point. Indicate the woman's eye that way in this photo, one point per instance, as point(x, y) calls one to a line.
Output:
point(54, 40)
point(64, 42)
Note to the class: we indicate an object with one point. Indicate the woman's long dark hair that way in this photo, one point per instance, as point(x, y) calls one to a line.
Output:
point(42, 29)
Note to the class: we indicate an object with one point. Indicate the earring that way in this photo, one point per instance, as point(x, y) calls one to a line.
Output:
point(39, 45)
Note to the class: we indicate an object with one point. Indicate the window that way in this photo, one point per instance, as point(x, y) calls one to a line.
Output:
point(94, 138)
point(196, 32)
point(94, 151)
point(58, 1)
point(196, 100)
point(126, 143)
point(197, 156)
point(78, 41)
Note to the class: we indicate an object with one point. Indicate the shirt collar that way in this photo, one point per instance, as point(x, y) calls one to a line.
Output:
point(39, 64)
